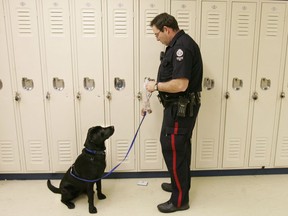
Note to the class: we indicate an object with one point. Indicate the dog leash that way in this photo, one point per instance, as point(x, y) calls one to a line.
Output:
point(112, 170)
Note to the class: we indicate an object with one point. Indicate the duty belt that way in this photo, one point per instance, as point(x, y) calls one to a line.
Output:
point(193, 98)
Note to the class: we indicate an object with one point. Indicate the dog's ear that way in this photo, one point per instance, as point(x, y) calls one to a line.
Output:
point(92, 132)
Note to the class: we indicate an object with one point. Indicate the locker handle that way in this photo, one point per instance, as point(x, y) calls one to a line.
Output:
point(282, 95)
point(17, 97)
point(27, 84)
point(265, 84)
point(208, 83)
point(1, 84)
point(119, 84)
point(255, 96)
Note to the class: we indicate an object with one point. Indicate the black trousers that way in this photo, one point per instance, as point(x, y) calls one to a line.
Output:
point(175, 141)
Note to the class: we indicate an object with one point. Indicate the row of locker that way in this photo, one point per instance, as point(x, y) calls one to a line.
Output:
point(68, 65)
point(248, 128)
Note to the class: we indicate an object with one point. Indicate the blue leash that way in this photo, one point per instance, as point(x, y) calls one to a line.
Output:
point(112, 170)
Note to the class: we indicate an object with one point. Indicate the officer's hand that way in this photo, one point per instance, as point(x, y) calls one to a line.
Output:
point(150, 86)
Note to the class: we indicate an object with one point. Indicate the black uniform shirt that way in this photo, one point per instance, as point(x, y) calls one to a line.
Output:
point(182, 59)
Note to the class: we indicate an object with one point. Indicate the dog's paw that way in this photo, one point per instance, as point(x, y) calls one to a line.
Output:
point(70, 205)
point(92, 210)
point(101, 196)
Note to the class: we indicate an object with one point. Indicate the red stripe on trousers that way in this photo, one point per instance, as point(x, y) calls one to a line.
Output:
point(175, 164)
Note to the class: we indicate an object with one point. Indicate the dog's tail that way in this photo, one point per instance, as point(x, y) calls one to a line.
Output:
point(52, 187)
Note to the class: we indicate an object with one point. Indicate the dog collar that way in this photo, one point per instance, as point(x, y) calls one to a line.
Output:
point(94, 151)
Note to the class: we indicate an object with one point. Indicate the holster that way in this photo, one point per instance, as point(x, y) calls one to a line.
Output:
point(184, 103)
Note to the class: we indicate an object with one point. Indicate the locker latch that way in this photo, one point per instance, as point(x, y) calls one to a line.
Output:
point(265, 84)
point(139, 96)
point(89, 84)
point(237, 84)
point(17, 97)
point(255, 96)
point(1, 84)
point(109, 95)
point(208, 83)
point(27, 84)
point(78, 96)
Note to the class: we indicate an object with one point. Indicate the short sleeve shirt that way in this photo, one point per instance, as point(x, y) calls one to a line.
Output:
point(182, 59)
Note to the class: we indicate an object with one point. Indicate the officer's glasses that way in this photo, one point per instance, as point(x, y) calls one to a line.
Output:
point(157, 34)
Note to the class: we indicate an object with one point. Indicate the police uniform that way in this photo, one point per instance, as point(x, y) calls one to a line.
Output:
point(182, 59)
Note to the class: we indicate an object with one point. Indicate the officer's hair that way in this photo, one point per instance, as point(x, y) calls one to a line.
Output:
point(164, 19)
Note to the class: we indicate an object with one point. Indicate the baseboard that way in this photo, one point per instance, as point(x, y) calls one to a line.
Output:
point(123, 175)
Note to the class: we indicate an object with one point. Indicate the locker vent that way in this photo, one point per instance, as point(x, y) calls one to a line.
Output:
point(213, 24)
point(234, 149)
point(261, 148)
point(272, 27)
point(149, 15)
point(88, 22)
point(122, 148)
point(284, 148)
point(183, 20)
point(24, 22)
point(36, 151)
point(243, 21)
point(56, 22)
point(64, 151)
point(6, 152)
point(207, 149)
point(120, 23)
point(151, 151)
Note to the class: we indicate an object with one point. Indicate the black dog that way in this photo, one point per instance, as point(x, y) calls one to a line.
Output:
point(89, 165)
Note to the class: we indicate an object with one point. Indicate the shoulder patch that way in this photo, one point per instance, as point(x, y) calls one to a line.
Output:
point(179, 55)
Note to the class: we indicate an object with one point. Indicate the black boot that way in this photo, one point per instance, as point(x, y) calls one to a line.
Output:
point(168, 207)
point(166, 187)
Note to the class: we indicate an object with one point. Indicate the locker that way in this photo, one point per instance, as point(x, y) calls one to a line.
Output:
point(212, 44)
point(121, 78)
point(267, 82)
point(185, 14)
point(59, 81)
point(9, 149)
point(89, 65)
point(149, 60)
point(240, 71)
point(281, 158)
point(29, 94)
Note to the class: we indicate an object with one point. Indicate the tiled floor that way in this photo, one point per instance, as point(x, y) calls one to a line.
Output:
point(261, 195)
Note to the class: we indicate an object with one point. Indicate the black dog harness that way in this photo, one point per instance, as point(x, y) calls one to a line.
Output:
point(74, 173)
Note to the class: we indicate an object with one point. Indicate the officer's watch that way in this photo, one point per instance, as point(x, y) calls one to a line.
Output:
point(156, 86)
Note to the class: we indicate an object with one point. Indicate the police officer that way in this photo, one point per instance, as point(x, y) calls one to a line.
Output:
point(179, 85)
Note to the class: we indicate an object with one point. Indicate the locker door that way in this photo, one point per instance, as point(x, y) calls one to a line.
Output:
point(121, 79)
point(185, 14)
point(90, 90)
point(150, 48)
point(212, 46)
point(9, 150)
point(29, 83)
point(281, 158)
point(267, 82)
point(239, 82)
point(60, 97)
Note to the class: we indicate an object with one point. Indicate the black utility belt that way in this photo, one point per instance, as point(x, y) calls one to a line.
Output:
point(185, 103)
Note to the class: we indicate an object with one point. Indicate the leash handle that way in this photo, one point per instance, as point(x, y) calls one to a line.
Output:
point(114, 168)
